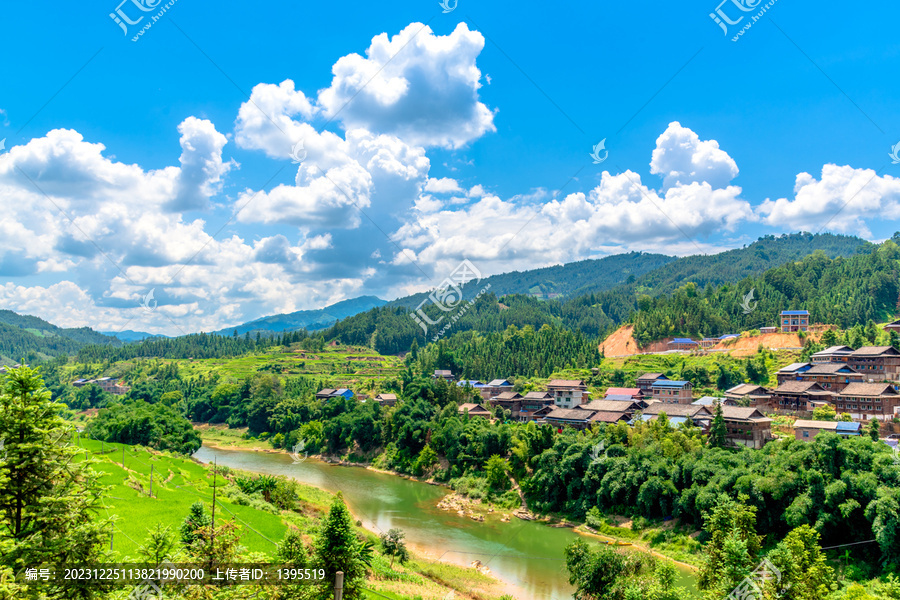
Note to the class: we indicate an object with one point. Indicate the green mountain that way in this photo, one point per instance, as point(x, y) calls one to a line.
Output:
point(566, 280)
point(28, 337)
point(596, 305)
point(306, 319)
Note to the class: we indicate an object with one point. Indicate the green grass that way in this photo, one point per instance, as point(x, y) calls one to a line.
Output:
point(177, 483)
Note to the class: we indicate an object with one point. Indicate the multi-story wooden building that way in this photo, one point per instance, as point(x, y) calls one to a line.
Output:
point(535, 406)
point(568, 393)
point(795, 396)
point(629, 407)
point(474, 410)
point(645, 381)
point(863, 401)
point(794, 320)
point(878, 363)
point(831, 376)
point(385, 399)
point(495, 388)
point(511, 401)
point(746, 426)
point(752, 394)
point(672, 392)
point(569, 417)
point(832, 354)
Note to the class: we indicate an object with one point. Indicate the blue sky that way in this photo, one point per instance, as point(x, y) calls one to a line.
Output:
point(165, 163)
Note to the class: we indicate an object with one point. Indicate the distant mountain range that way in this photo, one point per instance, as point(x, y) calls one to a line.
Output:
point(306, 319)
point(132, 336)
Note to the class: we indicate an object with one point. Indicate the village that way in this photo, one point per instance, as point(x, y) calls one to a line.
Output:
point(858, 386)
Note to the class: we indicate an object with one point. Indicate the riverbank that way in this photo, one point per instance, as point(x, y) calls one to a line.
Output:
point(220, 437)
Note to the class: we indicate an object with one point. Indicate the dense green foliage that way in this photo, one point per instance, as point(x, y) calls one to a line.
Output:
point(136, 422)
point(842, 291)
point(49, 502)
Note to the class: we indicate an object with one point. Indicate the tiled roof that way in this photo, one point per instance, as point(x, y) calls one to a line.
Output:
point(538, 396)
point(610, 405)
point(798, 387)
point(743, 413)
point(744, 389)
point(677, 410)
point(651, 376)
point(565, 383)
point(830, 369)
point(622, 391)
point(804, 424)
point(472, 408)
point(570, 414)
point(386, 396)
point(508, 396)
point(875, 351)
point(605, 416)
point(859, 388)
point(833, 349)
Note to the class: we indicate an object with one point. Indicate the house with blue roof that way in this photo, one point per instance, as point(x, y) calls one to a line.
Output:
point(672, 392)
point(794, 320)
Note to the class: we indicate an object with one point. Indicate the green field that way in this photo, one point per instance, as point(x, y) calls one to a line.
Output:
point(177, 483)
point(360, 369)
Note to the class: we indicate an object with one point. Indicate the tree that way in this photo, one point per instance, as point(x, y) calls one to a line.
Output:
point(824, 412)
point(49, 502)
point(338, 549)
point(874, 429)
point(392, 545)
point(802, 565)
point(718, 431)
point(496, 471)
point(159, 546)
point(197, 518)
point(733, 546)
point(291, 550)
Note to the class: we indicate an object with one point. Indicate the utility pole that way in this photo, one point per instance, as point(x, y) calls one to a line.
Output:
point(338, 585)
point(212, 535)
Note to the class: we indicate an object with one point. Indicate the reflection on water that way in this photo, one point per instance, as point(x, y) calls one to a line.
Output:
point(526, 554)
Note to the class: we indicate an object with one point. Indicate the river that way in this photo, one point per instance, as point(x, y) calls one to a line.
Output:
point(526, 555)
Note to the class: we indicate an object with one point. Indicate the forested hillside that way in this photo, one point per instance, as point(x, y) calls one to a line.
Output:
point(566, 280)
point(842, 291)
point(390, 329)
point(30, 338)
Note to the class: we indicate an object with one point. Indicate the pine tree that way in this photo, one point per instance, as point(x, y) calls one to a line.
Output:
point(49, 502)
point(718, 431)
point(874, 430)
point(338, 549)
